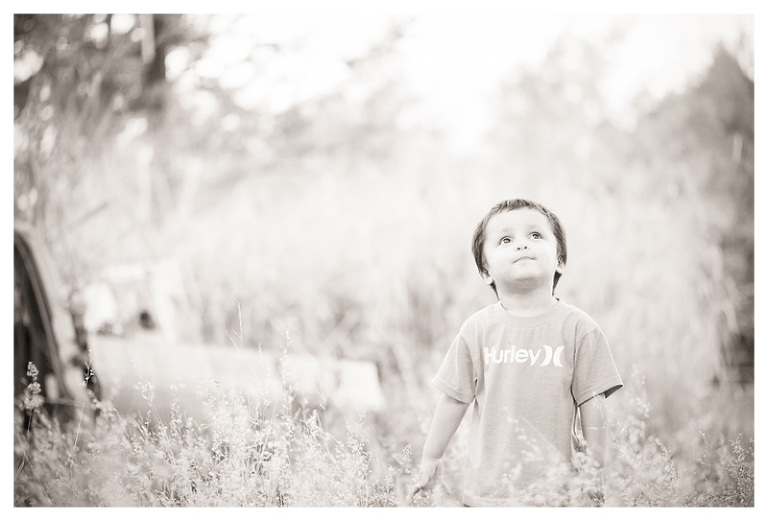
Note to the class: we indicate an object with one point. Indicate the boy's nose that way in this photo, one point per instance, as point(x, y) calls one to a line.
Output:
point(522, 245)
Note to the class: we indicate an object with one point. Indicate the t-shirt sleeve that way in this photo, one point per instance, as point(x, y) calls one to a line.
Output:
point(594, 371)
point(456, 376)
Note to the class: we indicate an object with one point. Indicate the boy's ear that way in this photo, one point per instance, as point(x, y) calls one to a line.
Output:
point(560, 268)
point(487, 278)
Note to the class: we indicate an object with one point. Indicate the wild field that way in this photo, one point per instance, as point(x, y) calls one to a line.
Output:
point(281, 455)
point(678, 439)
point(340, 227)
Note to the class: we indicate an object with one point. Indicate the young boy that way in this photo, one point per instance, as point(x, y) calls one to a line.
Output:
point(529, 363)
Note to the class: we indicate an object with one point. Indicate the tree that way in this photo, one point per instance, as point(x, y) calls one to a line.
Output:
point(79, 77)
point(711, 129)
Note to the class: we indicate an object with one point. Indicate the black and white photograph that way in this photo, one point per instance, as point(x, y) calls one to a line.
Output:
point(325, 256)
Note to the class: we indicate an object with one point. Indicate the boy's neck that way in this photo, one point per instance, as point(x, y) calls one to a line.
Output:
point(527, 303)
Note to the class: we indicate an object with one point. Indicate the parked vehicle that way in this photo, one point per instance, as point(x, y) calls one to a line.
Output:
point(49, 349)
point(52, 336)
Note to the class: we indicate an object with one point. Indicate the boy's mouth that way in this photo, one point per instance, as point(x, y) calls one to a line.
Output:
point(525, 257)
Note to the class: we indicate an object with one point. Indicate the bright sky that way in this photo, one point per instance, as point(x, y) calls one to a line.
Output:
point(458, 60)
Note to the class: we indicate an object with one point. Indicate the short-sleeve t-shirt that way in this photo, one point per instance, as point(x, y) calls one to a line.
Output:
point(527, 376)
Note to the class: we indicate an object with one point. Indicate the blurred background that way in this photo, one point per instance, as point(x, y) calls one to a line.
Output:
point(312, 183)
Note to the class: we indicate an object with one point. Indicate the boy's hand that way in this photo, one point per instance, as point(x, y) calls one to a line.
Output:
point(594, 489)
point(596, 497)
point(427, 477)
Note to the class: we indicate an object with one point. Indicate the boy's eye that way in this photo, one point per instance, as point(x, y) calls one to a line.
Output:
point(505, 240)
point(536, 235)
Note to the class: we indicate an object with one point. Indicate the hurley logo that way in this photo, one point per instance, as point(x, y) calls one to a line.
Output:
point(522, 356)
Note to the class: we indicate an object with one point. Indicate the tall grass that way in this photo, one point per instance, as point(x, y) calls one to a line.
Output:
point(247, 455)
point(283, 455)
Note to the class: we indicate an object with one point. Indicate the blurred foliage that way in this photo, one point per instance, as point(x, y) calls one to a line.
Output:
point(89, 67)
point(346, 218)
point(79, 83)
point(707, 136)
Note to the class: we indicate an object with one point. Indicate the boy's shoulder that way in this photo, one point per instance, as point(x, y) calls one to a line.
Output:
point(483, 315)
point(480, 319)
point(576, 313)
point(578, 320)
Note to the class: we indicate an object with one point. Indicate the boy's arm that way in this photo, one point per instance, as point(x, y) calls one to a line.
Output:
point(447, 418)
point(594, 422)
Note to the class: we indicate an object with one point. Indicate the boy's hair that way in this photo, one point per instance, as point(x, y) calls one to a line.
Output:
point(478, 239)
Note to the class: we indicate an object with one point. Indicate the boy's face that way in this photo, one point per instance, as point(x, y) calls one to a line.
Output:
point(520, 250)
